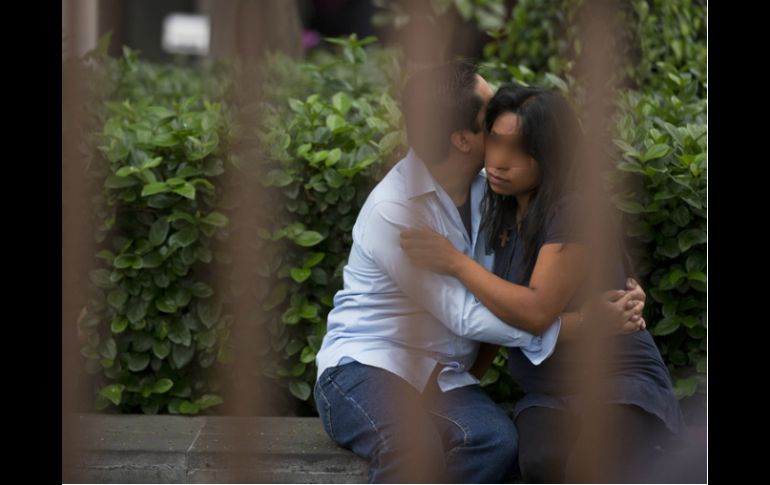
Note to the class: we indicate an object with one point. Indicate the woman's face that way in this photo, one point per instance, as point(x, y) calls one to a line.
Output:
point(510, 171)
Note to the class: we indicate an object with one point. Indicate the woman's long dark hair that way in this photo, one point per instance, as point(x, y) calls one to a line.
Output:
point(550, 134)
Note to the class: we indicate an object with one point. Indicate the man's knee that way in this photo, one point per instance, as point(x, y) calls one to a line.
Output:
point(497, 441)
point(412, 455)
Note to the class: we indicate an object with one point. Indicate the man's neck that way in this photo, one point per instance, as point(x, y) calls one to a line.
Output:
point(455, 177)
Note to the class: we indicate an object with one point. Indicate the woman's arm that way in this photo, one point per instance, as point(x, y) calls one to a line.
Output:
point(558, 271)
point(555, 278)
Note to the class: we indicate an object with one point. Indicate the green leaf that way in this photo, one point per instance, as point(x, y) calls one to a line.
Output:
point(215, 219)
point(119, 324)
point(180, 334)
point(666, 326)
point(629, 206)
point(300, 274)
point(290, 316)
point(697, 276)
point(213, 167)
point(655, 152)
point(333, 157)
point(113, 392)
point(109, 350)
point(136, 312)
point(208, 400)
point(164, 140)
point(685, 387)
point(276, 297)
point(490, 377)
point(313, 260)
point(101, 278)
point(296, 105)
point(161, 349)
point(465, 8)
point(308, 311)
point(116, 182)
point(294, 346)
point(152, 260)
point(320, 156)
point(142, 342)
point(186, 407)
point(341, 102)
point(390, 141)
point(209, 312)
point(201, 290)
point(181, 355)
point(126, 171)
point(690, 238)
point(557, 82)
point(628, 149)
point(681, 216)
point(309, 238)
point(166, 305)
point(138, 362)
point(334, 178)
point(307, 356)
point(187, 190)
point(127, 261)
point(675, 276)
point(159, 231)
point(162, 385)
point(184, 238)
point(335, 123)
point(152, 163)
point(102, 45)
point(117, 298)
point(669, 248)
point(154, 188)
point(180, 296)
point(177, 215)
point(300, 390)
point(278, 177)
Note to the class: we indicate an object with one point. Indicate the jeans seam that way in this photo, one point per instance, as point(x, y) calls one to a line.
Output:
point(328, 411)
point(355, 403)
point(466, 440)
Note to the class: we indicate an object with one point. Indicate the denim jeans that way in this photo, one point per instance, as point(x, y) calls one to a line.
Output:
point(457, 436)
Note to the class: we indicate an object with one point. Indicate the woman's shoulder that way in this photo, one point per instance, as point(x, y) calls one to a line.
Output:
point(561, 223)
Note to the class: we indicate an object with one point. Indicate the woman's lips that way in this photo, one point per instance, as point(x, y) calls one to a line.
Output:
point(495, 179)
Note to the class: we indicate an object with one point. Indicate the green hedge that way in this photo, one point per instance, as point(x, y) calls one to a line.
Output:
point(157, 322)
point(327, 128)
point(154, 325)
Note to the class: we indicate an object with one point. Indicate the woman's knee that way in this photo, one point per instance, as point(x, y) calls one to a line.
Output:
point(541, 465)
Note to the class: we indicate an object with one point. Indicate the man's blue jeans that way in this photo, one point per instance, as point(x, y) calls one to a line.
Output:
point(458, 436)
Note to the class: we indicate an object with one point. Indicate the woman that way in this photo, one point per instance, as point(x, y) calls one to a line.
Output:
point(530, 212)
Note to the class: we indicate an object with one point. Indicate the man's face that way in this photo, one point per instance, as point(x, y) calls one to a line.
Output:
point(485, 92)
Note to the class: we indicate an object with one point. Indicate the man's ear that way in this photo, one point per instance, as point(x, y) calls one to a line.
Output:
point(461, 141)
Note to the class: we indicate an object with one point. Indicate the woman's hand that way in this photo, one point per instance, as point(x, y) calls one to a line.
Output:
point(618, 311)
point(430, 250)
